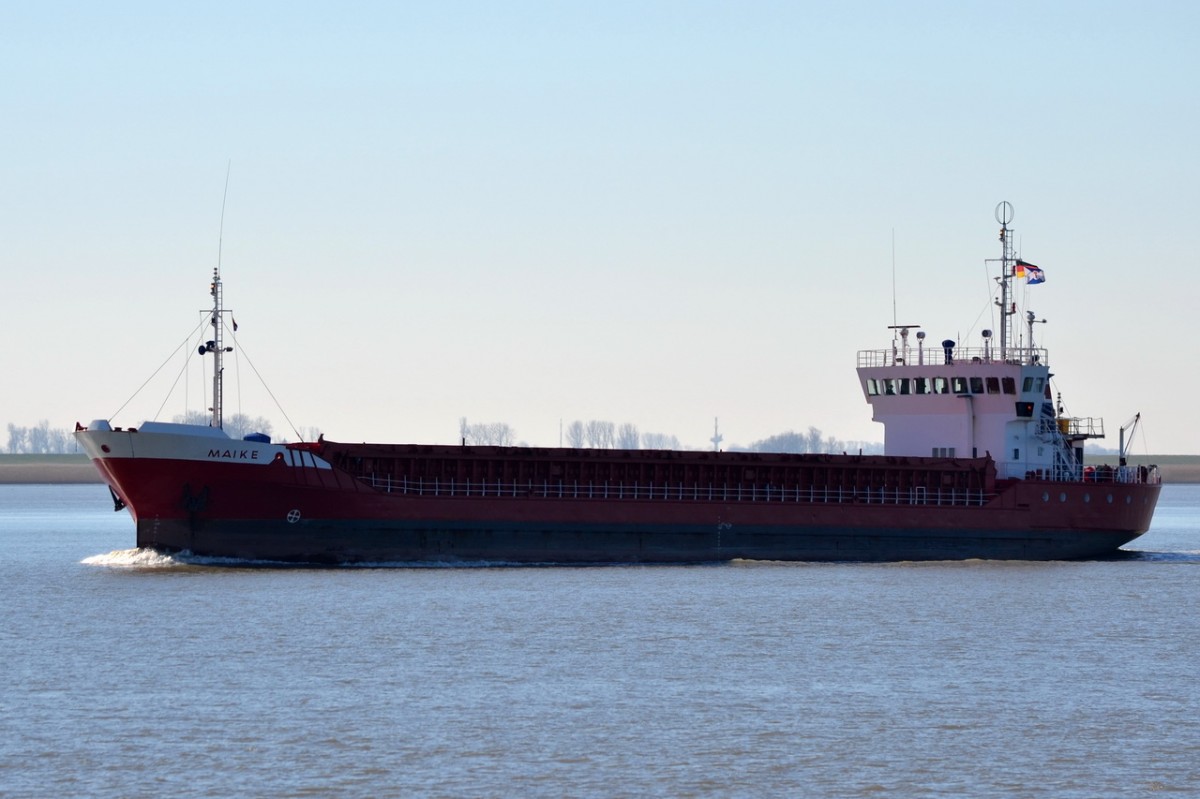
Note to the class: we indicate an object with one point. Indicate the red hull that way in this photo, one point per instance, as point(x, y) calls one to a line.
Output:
point(294, 507)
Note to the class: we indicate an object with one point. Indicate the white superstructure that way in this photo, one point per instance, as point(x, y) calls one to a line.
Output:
point(995, 399)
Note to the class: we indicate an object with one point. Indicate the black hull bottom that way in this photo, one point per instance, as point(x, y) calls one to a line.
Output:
point(313, 542)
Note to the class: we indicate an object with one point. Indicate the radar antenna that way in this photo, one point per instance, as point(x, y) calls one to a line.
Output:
point(1031, 320)
point(900, 350)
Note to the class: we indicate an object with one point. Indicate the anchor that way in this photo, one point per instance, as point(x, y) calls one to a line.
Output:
point(194, 503)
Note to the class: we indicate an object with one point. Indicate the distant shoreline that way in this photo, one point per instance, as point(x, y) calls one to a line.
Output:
point(47, 469)
point(18, 469)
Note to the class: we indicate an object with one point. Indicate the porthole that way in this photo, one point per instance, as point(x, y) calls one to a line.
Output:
point(1062, 497)
point(1128, 500)
point(1110, 499)
point(1045, 496)
point(1087, 497)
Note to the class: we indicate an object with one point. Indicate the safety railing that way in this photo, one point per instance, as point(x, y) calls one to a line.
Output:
point(1074, 426)
point(1090, 474)
point(935, 355)
point(546, 489)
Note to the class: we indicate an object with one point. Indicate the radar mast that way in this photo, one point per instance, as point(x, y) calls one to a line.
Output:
point(1004, 215)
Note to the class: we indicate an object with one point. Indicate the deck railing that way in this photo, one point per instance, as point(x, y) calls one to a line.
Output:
point(934, 355)
point(679, 492)
point(1073, 426)
point(1127, 475)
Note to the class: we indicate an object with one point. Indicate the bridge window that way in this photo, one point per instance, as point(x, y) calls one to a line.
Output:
point(1010, 385)
point(959, 385)
point(921, 385)
point(993, 385)
point(904, 387)
point(976, 385)
point(872, 387)
point(941, 385)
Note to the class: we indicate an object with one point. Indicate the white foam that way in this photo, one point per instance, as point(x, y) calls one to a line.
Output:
point(1170, 556)
point(135, 559)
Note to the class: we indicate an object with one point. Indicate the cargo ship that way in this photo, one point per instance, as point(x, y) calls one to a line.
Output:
point(979, 462)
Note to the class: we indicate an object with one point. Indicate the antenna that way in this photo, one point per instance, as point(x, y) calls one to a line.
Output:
point(221, 230)
point(215, 344)
point(717, 437)
point(894, 316)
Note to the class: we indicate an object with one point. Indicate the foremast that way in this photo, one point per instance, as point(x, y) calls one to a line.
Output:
point(216, 346)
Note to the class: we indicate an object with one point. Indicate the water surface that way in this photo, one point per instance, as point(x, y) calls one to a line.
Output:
point(129, 674)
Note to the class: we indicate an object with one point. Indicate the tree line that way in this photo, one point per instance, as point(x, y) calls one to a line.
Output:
point(601, 434)
point(814, 441)
point(594, 434)
point(42, 439)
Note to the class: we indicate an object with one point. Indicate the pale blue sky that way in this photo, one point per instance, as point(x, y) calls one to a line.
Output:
point(646, 212)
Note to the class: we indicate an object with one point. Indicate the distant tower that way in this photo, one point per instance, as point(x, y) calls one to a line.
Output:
point(717, 437)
